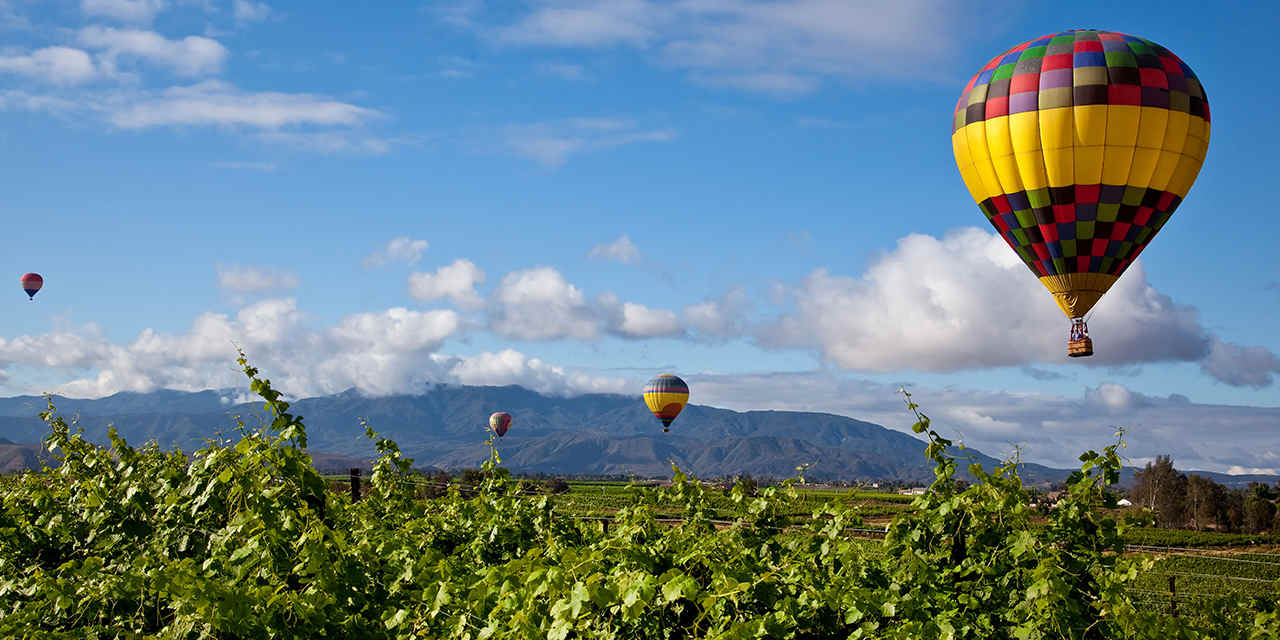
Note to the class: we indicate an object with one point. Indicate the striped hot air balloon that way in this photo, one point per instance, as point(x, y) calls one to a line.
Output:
point(1078, 146)
point(31, 283)
point(500, 422)
point(666, 395)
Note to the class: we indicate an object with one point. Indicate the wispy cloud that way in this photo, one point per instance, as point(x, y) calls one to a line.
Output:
point(255, 279)
point(140, 11)
point(252, 166)
point(562, 70)
point(216, 103)
point(245, 11)
point(782, 47)
point(620, 250)
point(552, 143)
point(398, 249)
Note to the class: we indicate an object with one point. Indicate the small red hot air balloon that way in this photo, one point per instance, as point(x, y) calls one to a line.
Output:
point(500, 422)
point(31, 283)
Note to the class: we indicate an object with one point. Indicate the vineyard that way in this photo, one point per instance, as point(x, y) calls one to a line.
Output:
point(244, 539)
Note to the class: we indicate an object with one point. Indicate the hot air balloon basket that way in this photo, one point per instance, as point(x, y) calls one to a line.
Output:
point(1080, 348)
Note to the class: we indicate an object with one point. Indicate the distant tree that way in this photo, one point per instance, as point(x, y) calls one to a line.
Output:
point(471, 477)
point(1259, 511)
point(1232, 516)
point(556, 485)
point(748, 484)
point(435, 484)
point(1205, 501)
point(1160, 488)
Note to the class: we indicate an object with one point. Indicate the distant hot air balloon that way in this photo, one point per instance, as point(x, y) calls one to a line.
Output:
point(31, 283)
point(500, 422)
point(666, 396)
point(1078, 146)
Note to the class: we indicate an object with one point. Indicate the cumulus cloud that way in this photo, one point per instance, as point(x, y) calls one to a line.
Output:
point(456, 281)
point(1049, 428)
point(539, 304)
point(723, 317)
point(190, 56)
point(631, 320)
point(124, 10)
point(399, 249)
point(1240, 366)
point(787, 46)
point(55, 65)
point(964, 301)
point(390, 351)
point(213, 103)
point(512, 367)
point(255, 279)
point(620, 250)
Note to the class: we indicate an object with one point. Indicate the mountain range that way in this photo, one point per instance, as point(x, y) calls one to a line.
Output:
point(444, 427)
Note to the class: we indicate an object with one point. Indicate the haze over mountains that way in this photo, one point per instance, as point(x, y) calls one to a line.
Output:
point(443, 427)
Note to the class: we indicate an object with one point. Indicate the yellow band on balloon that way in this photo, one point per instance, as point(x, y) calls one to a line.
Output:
point(1076, 293)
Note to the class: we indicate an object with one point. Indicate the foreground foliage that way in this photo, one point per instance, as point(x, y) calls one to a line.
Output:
point(242, 540)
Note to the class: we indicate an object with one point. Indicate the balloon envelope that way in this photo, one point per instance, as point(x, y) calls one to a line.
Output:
point(500, 422)
point(1078, 146)
point(666, 395)
point(31, 283)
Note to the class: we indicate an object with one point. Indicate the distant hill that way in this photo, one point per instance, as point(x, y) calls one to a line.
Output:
point(443, 427)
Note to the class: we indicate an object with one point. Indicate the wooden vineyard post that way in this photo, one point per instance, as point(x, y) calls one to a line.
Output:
point(1173, 592)
point(355, 484)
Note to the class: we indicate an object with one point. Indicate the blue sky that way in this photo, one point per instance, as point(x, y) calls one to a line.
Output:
point(759, 196)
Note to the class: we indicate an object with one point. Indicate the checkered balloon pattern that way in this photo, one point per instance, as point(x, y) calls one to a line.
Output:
point(1078, 146)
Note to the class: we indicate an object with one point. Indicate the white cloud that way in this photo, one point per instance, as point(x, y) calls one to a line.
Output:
point(255, 279)
point(1240, 366)
point(245, 11)
point(190, 56)
point(591, 24)
point(631, 320)
point(396, 330)
point(780, 83)
point(55, 65)
point(212, 103)
point(721, 318)
point(620, 250)
point(538, 304)
point(512, 367)
point(784, 46)
point(399, 249)
point(124, 10)
point(966, 301)
point(389, 351)
point(552, 143)
point(331, 142)
point(456, 281)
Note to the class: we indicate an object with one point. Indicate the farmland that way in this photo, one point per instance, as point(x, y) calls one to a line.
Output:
point(246, 539)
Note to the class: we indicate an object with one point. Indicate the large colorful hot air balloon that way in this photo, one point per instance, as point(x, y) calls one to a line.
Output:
point(500, 422)
point(666, 396)
point(31, 283)
point(1078, 146)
